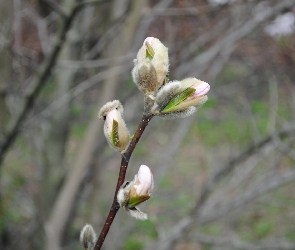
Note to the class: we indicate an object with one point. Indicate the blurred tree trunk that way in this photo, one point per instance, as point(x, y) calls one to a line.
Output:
point(64, 203)
point(5, 64)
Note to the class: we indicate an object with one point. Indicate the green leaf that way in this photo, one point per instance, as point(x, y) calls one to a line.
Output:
point(115, 134)
point(137, 200)
point(150, 53)
point(178, 98)
point(131, 137)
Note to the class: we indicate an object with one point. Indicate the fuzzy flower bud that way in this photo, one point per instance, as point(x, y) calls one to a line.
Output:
point(88, 237)
point(115, 129)
point(151, 65)
point(137, 191)
point(179, 99)
point(197, 97)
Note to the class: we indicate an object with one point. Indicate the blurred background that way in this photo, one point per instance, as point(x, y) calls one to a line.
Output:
point(224, 178)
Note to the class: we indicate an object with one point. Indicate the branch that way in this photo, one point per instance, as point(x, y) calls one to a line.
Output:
point(122, 173)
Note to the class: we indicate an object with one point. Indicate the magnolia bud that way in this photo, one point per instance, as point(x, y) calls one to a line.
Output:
point(151, 65)
point(137, 191)
point(88, 237)
point(145, 76)
point(165, 94)
point(143, 182)
point(115, 129)
point(192, 93)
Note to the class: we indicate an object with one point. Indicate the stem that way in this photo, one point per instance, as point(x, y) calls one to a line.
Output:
point(121, 178)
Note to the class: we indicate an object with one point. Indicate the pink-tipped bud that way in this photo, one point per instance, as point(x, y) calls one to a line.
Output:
point(110, 116)
point(202, 88)
point(191, 94)
point(115, 129)
point(198, 97)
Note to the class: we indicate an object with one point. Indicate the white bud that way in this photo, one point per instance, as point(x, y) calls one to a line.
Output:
point(156, 53)
point(88, 237)
point(143, 182)
point(115, 129)
point(135, 192)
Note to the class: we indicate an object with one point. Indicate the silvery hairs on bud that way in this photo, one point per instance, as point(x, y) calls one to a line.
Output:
point(178, 114)
point(165, 94)
point(145, 77)
point(123, 197)
point(123, 193)
point(88, 237)
point(110, 106)
point(137, 214)
point(158, 59)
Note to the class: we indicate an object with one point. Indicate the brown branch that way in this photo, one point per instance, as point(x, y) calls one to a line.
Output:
point(123, 168)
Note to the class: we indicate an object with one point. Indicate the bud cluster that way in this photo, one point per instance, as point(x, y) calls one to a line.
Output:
point(175, 99)
point(169, 100)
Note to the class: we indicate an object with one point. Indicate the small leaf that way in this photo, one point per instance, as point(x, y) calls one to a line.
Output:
point(178, 99)
point(115, 134)
point(150, 53)
point(137, 200)
point(131, 137)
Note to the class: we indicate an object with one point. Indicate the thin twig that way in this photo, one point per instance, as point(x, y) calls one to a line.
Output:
point(123, 168)
point(56, 7)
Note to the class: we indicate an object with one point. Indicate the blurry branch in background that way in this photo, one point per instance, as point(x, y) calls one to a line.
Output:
point(63, 205)
point(39, 82)
point(273, 103)
point(96, 63)
point(267, 184)
point(230, 39)
point(236, 243)
point(199, 216)
point(56, 8)
point(79, 89)
point(224, 170)
point(246, 107)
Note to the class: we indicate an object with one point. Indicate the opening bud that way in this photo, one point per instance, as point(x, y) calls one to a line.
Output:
point(192, 93)
point(115, 129)
point(137, 191)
